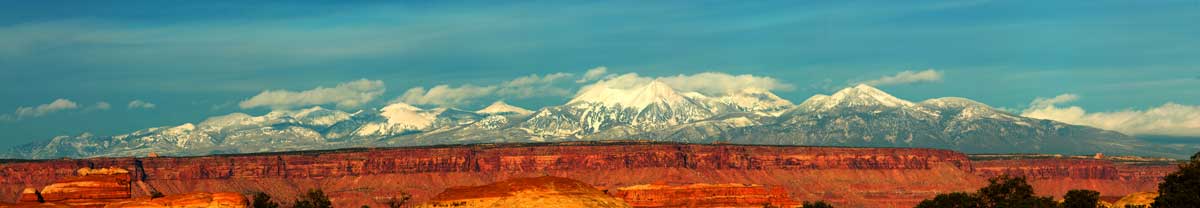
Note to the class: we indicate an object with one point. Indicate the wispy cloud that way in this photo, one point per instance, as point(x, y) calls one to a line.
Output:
point(101, 106)
point(345, 95)
point(141, 104)
point(907, 77)
point(41, 110)
point(593, 74)
point(1171, 119)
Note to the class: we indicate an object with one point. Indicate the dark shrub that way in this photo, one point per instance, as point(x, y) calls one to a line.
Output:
point(1181, 188)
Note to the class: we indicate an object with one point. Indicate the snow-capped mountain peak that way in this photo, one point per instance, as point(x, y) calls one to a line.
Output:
point(654, 92)
point(757, 100)
point(860, 95)
point(403, 113)
point(500, 107)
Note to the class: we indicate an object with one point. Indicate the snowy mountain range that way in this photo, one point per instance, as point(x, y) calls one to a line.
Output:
point(855, 116)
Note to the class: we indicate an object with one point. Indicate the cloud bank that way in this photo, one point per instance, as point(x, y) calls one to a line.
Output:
point(522, 87)
point(907, 77)
point(707, 83)
point(345, 95)
point(1170, 119)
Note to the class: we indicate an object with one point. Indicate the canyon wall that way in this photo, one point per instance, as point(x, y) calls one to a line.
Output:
point(866, 177)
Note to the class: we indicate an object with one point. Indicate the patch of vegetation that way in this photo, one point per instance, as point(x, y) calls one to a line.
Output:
point(262, 200)
point(1002, 191)
point(1181, 188)
point(1081, 199)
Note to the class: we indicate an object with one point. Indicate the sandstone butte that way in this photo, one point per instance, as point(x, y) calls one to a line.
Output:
point(545, 191)
point(859, 177)
point(111, 188)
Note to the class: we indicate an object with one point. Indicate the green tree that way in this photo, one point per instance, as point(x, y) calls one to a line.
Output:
point(817, 204)
point(315, 198)
point(262, 200)
point(1081, 199)
point(952, 200)
point(1181, 188)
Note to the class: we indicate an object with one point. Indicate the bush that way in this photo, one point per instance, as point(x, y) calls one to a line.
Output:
point(262, 200)
point(817, 204)
point(1181, 188)
point(1081, 199)
point(315, 198)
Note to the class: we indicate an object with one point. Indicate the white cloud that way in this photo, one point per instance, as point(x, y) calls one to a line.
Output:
point(345, 95)
point(41, 110)
point(522, 87)
point(907, 77)
point(708, 83)
point(1170, 119)
point(141, 104)
point(1044, 102)
point(593, 74)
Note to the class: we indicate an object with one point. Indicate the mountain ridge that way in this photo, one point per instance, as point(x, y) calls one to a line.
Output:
point(860, 115)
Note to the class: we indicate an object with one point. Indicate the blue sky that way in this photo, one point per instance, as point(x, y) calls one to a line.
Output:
point(195, 59)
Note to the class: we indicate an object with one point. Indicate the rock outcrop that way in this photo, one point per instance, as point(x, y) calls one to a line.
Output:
point(546, 191)
point(90, 184)
point(705, 195)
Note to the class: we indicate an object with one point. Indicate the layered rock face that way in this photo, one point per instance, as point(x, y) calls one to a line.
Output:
point(705, 195)
point(867, 177)
point(546, 191)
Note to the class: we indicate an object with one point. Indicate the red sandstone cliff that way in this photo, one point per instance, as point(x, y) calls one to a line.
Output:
point(875, 177)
